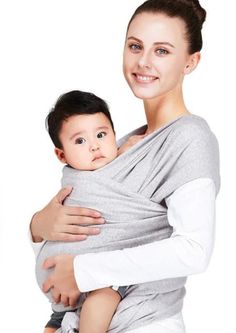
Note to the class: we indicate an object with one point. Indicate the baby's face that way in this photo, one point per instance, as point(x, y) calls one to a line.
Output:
point(88, 142)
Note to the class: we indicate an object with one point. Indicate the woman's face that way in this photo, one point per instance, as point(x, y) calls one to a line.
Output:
point(155, 55)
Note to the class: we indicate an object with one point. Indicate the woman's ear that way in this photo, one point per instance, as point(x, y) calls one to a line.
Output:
point(192, 62)
point(60, 155)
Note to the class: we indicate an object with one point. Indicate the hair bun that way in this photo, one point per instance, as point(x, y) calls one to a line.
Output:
point(198, 10)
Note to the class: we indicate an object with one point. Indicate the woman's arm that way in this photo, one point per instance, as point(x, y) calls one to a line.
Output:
point(191, 212)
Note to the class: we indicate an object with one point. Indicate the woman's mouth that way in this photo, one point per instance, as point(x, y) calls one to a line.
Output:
point(140, 78)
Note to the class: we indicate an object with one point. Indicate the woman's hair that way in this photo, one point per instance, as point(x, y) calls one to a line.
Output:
point(190, 11)
point(73, 103)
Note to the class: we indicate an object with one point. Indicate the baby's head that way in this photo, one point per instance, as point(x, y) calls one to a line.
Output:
point(82, 130)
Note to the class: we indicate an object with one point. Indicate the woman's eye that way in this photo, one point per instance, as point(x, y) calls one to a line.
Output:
point(79, 141)
point(161, 52)
point(101, 135)
point(135, 47)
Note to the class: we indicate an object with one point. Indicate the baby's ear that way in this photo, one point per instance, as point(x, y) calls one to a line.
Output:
point(192, 63)
point(60, 155)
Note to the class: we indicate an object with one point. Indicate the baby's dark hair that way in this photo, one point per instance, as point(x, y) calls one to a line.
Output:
point(190, 11)
point(73, 103)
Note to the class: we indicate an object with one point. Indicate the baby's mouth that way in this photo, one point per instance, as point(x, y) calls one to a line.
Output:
point(97, 157)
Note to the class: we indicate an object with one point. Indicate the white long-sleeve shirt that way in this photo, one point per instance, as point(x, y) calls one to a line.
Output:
point(191, 213)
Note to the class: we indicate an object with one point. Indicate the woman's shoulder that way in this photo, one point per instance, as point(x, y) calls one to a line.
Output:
point(193, 124)
point(190, 127)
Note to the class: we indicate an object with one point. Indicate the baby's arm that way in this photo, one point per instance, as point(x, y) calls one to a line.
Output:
point(98, 310)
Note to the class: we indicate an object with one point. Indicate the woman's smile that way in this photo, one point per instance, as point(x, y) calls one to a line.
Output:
point(141, 78)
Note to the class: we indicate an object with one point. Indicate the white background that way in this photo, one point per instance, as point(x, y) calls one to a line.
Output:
point(50, 47)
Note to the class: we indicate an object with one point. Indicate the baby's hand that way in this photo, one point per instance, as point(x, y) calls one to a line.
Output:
point(130, 142)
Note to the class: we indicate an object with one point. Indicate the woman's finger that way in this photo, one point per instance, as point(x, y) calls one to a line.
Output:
point(62, 194)
point(81, 211)
point(79, 230)
point(47, 285)
point(49, 262)
point(73, 299)
point(56, 295)
point(65, 300)
point(64, 237)
point(82, 221)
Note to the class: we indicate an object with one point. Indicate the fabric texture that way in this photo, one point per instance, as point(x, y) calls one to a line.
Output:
point(174, 324)
point(191, 213)
point(130, 193)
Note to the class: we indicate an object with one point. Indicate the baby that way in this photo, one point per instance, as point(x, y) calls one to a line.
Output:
point(82, 131)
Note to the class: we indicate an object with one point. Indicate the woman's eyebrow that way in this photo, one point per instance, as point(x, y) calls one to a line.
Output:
point(164, 43)
point(156, 43)
point(138, 40)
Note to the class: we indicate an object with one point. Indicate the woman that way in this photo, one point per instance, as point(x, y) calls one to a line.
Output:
point(163, 44)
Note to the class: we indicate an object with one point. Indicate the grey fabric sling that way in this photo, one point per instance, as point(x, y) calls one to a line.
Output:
point(130, 193)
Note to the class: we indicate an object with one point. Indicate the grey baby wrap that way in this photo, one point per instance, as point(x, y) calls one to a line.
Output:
point(130, 193)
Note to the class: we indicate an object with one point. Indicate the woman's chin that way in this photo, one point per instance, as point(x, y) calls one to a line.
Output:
point(145, 94)
point(145, 90)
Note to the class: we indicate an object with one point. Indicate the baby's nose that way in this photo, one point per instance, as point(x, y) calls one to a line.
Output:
point(94, 147)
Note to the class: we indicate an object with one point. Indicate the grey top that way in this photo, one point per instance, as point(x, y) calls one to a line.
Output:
point(130, 193)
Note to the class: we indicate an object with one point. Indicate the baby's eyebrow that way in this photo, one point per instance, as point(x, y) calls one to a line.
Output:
point(77, 133)
point(82, 132)
point(102, 127)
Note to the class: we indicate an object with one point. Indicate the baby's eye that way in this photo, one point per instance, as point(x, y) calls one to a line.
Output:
point(134, 47)
point(101, 135)
point(162, 52)
point(79, 141)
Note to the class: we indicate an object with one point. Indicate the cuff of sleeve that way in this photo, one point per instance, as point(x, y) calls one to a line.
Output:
point(84, 278)
point(36, 246)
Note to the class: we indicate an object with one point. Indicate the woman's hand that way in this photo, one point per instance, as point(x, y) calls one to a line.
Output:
point(62, 282)
point(56, 222)
point(132, 140)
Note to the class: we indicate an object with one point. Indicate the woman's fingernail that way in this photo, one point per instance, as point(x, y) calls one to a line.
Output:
point(96, 230)
point(97, 214)
point(101, 220)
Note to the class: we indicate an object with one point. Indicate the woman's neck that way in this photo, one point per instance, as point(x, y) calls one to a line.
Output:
point(162, 110)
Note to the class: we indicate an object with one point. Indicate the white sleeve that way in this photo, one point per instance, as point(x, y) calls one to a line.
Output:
point(191, 213)
point(36, 246)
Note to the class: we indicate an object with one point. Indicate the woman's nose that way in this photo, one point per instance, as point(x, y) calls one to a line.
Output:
point(144, 61)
